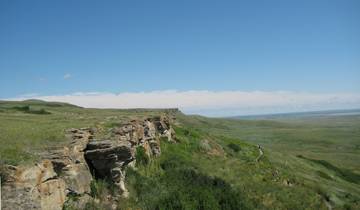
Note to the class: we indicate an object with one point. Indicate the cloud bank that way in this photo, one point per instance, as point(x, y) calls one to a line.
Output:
point(67, 76)
point(213, 103)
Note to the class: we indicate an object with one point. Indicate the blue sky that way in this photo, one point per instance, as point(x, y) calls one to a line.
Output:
point(63, 47)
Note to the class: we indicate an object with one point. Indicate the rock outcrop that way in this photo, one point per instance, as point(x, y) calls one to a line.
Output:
point(36, 187)
point(63, 171)
point(109, 158)
point(69, 170)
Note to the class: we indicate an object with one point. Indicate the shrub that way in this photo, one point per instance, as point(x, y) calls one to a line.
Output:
point(100, 189)
point(181, 186)
point(40, 111)
point(323, 175)
point(141, 157)
point(22, 108)
point(70, 202)
point(27, 109)
point(204, 145)
point(172, 162)
point(234, 147)
point(190, 189)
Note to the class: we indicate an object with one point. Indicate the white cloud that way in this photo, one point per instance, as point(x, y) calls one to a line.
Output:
point(213, 103)
point(67, 76)
point(29, 95)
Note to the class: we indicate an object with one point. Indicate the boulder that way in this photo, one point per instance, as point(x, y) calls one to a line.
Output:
point(36, 187)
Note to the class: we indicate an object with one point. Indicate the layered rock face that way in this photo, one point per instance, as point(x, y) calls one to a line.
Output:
point(36, 187)
point(47, 184)
point(146, 133)
point(109, 158)
point(68, 171)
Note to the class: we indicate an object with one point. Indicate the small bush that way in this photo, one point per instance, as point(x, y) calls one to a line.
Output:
point(204, 145)
point(323, 175)
point(40, 111)
point(173, 162)
point(193, 190)
point(141, 157)
point(22, 108)
point(182, 186)
point(71, 200)
point(100, 189)
point(234, 147)
point(27, 109)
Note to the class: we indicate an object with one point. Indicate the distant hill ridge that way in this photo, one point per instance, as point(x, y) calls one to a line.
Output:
point(301, 114)
point(36, 102)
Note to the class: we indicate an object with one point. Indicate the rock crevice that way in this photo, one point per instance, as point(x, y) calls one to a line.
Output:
point(109, 158)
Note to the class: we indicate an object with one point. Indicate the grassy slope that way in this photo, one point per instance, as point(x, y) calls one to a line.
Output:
point(24, 134)
point(327, 168)
point(320, 153)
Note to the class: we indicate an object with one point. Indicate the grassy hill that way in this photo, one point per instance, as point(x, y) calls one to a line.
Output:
point(28, 127)
point(320, 153)
point(308, 162)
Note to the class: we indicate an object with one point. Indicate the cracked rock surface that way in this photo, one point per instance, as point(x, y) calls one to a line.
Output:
point(47, 184)
point(109, 158)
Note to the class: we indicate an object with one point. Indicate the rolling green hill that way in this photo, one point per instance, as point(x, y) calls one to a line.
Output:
point(307, 163)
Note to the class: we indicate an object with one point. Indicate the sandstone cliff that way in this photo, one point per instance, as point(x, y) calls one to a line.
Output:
point(69, 171)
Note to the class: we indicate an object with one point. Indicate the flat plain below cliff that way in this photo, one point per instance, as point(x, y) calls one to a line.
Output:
point(60, 156)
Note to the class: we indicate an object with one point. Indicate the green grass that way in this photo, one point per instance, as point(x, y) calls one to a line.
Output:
point(306, 162)
point(25, 132)
point(175, 180)
point(340, 172)
point(141, 156)
point(184, 174)
point(330, 146)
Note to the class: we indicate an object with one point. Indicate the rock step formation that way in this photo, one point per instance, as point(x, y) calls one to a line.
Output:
point(109, 158)
point(69, 170)
point(46, 185)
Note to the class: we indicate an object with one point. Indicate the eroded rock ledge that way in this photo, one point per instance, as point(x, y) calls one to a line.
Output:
point(69, 170)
